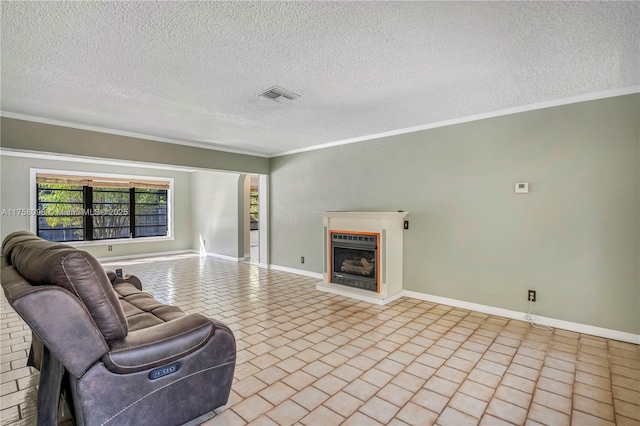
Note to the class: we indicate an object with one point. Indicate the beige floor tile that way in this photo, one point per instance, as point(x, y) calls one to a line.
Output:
point(395, 394)
point(361, 389)
point(627, 395)
point(555, 386)
point(379, 409)
point(277, 392)
point(291, 364)
point(593, 369)
point(318, 369)
point(476, 390)
point(390, 366)
point(558, 375)
point(251, 408)
point(287, 413)
point(514, 396)
point(626, 409)
point(322, 416)
point(491, 367)
point(626, 421)
point(520, 383)
point(497, 357)
point(558, 364)
point(631, 373)
point(452, 417)
point(562, 356)
point(408, 381)
point(271, 375)
point(547, 416)
point(441, 386)
point(522, 371)
point(431, 400)
point(593, 392)
point(299, 380)
point(263, 421)
point(224, 419)
point(460, 364)
point(553, 401)
point(420, 370)
point(310, 398)
point(376, 377)
point(489, 420)
point(249, 386)
point(452, 374)
point(330, 384)
point(343, 404)
point(506, 411)
point(593, 380)
point(359, 419)
point(578, 418)
point(430, 360)
point(362, 362)
point(468, 405)
point(402, 357)
point(414, 414)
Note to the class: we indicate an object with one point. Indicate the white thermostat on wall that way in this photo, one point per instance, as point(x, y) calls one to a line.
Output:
point(522, 188)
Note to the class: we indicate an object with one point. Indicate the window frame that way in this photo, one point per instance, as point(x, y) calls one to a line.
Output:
point(33, 202)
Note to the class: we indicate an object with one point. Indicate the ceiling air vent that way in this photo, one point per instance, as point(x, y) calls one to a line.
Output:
point(279, 95)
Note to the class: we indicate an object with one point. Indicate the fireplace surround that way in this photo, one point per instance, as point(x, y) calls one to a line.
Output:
point(363, 255)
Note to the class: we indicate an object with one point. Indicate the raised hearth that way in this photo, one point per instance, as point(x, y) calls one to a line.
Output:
point(363, 255)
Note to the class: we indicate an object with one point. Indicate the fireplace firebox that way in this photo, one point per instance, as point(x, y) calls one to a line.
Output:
point(355, 260)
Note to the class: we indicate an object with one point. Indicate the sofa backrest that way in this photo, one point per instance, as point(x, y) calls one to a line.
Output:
point(43, 262)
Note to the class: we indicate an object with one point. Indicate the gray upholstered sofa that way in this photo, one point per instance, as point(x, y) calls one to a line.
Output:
point(117, 355)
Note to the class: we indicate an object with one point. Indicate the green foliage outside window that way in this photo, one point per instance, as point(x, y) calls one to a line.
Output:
point(77, 213)
point(253, 206)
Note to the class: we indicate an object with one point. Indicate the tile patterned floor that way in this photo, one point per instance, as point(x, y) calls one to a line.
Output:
point(312, 358)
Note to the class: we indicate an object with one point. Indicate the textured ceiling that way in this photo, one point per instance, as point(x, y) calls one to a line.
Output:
point(191, 71)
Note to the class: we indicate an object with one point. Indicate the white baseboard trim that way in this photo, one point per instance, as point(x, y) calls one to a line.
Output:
point(225, 257)
point(551, 322)
point(297, 271)
point(361, 297)
point(139, 256)
point(486, 309)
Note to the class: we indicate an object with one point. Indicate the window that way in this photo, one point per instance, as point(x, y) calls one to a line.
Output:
point(78, 208)
point(253, 208)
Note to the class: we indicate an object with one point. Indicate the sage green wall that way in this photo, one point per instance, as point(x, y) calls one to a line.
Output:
point(574, 238)
point(216, 214)
point(27, 135)
point(15, 185)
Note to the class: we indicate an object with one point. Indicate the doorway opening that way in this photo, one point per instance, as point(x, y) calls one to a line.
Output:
point(256, 219)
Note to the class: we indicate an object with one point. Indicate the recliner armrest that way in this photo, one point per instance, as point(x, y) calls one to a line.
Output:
point(159, 345)
point(62, 323)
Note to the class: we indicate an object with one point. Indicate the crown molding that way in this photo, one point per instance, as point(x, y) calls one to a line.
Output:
point(53, 122)
point(8, 152)
point(531, 107)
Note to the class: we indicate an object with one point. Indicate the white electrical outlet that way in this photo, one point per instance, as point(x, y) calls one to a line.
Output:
point(522, 188)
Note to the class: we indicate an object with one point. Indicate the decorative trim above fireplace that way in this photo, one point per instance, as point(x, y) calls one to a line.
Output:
point(377, 278)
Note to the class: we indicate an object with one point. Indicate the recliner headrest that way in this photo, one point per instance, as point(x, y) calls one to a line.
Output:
point(43, 262)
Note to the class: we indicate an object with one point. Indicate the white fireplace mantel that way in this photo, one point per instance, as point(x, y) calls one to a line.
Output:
point(390, 228)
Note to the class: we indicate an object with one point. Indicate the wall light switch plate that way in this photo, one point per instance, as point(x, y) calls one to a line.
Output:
point(522, 188)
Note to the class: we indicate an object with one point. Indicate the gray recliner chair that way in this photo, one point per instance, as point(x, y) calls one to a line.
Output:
point(117, 354)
